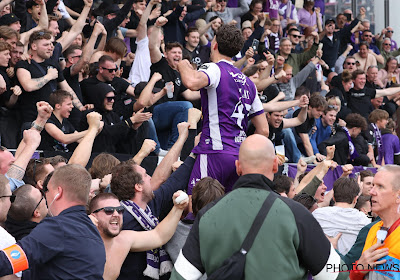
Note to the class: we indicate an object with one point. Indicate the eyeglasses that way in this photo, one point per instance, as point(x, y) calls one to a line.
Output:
point(350, 63)
point(12, 197)
point(37, 205)
point(34, 169)
point(110, 98)
point(386, 44)
point(110, 210)
point(110, 70)
point(390, 31)
point(296, 36)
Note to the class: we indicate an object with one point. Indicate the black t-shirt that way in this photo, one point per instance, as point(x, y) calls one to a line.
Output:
point(5, 96)
point(168, 75)
point(306, 126)
point(28, 99)
point(49, 143)
point(199, 55)
point(275, 134)
point(73, 82)
point(359, 101)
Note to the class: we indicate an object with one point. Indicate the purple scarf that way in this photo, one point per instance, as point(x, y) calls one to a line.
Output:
point(378, 139)
point(158, 261)
point(352, 150)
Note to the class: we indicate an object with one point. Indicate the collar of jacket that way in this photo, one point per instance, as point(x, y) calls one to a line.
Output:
point(255, 181)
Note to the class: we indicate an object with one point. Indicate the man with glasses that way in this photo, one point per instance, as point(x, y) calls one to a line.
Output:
point(385, 48)
point(106, 212)
point(26, 212)
point(389, 34)
point(294, 37)
point(66, 245)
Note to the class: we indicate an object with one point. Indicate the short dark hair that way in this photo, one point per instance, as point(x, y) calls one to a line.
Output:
point(105, 58)
point(229, 39)
point(190, 30)
point(71, 50)
point(57, 159)
point(23, 206)
point(171, 45)
point(361, 201)
point(357, 72)
point(40, 35)
point(345, 190)
point(93, 204)
point(305, 199)
point(366, 173)
point(282, 183)
point(35, 169)
point(58, 97)
point(377, 115)
point(302, 91)
point(356, 120)
point(250, 71)
point(102, 165)
point(318, 101)
point(205, 191)
point(124, 179)
point(117, 46)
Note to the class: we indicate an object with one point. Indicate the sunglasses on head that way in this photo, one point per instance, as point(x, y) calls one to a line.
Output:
point(110, 70)
point(332, 107)
point(110, 210)
point(110, 98)
point(12, 197)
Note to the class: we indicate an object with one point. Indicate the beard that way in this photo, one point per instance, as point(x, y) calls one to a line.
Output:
point(103, 227)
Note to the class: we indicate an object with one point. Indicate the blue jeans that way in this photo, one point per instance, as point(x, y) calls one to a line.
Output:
point(291, 150)
point(152, 134)
point(166, 117)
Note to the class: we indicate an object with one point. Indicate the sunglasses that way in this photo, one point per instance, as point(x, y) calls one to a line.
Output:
point(110, 210)
point(390, 31)
point(110, 70)
point(332, 107)
point(386, 44)
point(221, 0)
point(296, 36)
point(109, 99)
point(350, 63)
point(12, 197)
point(37, 205)
point(368, 36)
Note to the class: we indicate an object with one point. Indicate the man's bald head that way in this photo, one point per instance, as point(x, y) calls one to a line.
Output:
point(257, 155)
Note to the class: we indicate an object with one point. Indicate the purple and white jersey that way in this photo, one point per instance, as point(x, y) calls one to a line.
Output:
point(228, 102)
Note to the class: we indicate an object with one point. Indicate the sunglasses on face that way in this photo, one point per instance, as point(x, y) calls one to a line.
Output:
point(296, 36)
point(37, 205)
point(386, 44)
point(221, 0)
point(110, 70)
point(390, 31)
point(110, 98)
point(12, 197)
point(110, 210)
point(350, 63)
point(368, 36)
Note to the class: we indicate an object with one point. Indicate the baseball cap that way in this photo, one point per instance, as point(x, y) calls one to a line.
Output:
point(8, 19)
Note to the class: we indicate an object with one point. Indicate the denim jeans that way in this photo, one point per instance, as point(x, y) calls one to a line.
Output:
point(166, 117)
point(152, 134)
point(291, 150)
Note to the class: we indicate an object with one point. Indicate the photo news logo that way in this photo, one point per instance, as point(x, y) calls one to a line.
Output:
point(385, 267)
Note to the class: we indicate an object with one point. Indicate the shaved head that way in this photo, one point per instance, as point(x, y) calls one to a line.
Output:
point(257, 155)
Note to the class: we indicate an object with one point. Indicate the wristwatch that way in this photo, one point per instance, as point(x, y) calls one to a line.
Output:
point(37, 127)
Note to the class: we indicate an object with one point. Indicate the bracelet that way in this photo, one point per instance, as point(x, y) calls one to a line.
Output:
point(275, 78)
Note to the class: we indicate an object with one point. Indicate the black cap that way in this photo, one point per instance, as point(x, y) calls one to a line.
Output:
point(112, 9)
point(140, 87)
point(8, 19)
point(329, 20)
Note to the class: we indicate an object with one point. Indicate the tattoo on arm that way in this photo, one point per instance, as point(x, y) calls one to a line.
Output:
point(75, 100)
point(16, 172)
point(40, 82)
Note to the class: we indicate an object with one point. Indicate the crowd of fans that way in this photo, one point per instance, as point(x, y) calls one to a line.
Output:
point(192, 82)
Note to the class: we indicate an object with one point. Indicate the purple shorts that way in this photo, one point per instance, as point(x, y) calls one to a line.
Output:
point(217, 166)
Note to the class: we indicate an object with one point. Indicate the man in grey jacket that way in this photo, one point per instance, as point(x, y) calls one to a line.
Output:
point(228, 14)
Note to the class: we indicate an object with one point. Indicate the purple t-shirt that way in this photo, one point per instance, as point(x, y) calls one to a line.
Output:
point(272, 7)
point(391, 147)
point(228, 102)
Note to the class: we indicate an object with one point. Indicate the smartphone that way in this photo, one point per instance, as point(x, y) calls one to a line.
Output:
point(348, 16)
point(254, 45)
point(99, 19)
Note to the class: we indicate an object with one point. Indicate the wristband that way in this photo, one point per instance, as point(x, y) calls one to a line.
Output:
point(37, 127)
point(275, 78)
point(17, 258)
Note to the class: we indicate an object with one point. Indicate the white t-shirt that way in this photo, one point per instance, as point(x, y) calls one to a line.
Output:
point(140, 71)
point(6, 240)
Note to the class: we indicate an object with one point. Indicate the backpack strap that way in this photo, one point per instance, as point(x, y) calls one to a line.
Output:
point(257, 223)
